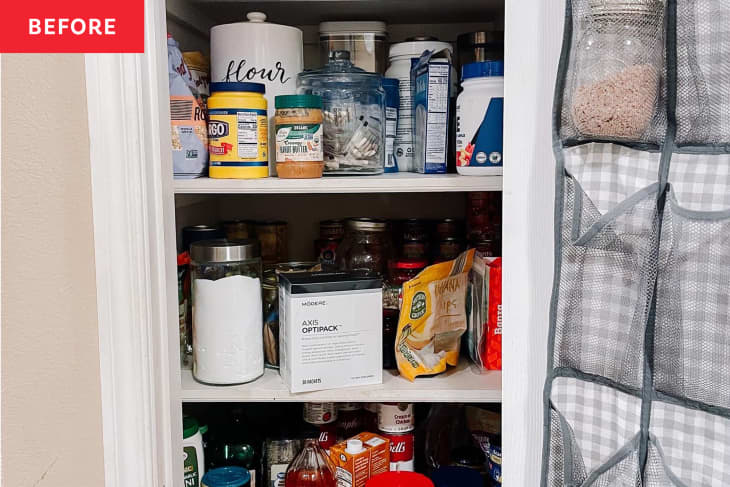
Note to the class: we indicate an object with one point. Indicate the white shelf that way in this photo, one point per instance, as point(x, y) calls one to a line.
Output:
point(464, 383)
point(384, 183)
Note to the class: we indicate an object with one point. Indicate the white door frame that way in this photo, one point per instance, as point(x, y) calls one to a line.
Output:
point(133, 205)
point(134, 232)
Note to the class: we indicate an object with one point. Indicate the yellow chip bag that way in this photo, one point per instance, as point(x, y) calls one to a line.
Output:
point(433, 318)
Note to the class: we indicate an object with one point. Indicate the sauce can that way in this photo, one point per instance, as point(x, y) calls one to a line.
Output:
point(401, 451)
point(238, 131)
point(395, 417)
point(319, 413)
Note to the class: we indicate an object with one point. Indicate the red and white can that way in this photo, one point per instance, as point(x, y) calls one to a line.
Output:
point(327, 436)
point(401, 451)
point(320, 412)
point(395, 417)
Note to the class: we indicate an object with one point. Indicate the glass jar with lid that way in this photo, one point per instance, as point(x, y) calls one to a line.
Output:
point(353, 112)
point(366, 247)
point(227, 311)
point(618, 65)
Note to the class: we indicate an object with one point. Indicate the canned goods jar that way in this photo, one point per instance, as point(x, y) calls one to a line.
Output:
point(274, 241)
point(238, 131)
point(227, 477)
point(395, 417)
point(401, 451)
point(298, 125)
point(237, 229)
point(320, 412)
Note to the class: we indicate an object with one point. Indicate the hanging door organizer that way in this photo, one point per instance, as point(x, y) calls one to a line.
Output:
point(638, 385)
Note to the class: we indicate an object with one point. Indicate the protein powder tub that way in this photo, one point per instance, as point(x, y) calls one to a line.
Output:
point(479, 115)
point(400, 56)
point(298, 125)
point(238, 131)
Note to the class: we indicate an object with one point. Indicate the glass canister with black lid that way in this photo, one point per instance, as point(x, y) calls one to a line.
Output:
point(353, 111)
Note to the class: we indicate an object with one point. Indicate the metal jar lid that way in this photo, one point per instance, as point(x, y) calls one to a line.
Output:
point(626, 8)
point(367, 224)
point(222, 250)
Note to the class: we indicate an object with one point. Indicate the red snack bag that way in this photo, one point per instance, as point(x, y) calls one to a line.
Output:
point(492, 343)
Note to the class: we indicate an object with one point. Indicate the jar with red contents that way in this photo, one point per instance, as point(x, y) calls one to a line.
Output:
point(399, 272)
point(483, 211)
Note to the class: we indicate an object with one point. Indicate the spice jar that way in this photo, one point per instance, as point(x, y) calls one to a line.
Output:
point(449, 248)
point(366, 247)
point(399, 271)
point(274, 241)
point(298, 125)
point(227, 315)
point(237, 229)
point(617, 68)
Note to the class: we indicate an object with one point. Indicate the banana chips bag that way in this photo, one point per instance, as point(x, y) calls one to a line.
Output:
point(433, 318)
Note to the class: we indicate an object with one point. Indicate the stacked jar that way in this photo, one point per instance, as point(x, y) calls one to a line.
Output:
point(331, 233)
point(396, 422)
point(322, 416)
point(484, 222)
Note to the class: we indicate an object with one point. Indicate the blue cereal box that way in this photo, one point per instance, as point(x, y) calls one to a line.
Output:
point(430, 84)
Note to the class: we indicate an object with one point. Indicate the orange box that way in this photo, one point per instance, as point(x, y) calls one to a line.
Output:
point(359, 458)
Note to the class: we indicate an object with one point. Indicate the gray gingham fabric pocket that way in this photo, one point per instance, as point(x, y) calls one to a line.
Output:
point(692, 334)
point(703, 73)
point(693, 446)
point(606, 282)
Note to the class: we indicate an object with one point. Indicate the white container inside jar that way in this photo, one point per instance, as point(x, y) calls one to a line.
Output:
point(365, 41)
point(227, 311)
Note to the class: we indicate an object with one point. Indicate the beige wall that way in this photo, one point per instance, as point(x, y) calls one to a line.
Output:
point(51, 404)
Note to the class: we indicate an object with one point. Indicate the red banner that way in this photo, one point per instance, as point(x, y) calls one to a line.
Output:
point(72, 26)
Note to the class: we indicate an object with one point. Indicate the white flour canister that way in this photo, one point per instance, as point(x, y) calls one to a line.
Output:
point(258, 51)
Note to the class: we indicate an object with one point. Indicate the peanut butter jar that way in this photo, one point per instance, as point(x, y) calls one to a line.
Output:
point(298, 125)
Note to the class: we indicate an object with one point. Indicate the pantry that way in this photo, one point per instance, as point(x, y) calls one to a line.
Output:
point(150, 350)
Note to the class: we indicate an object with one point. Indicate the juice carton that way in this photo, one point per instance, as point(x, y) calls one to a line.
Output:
point(359, 458)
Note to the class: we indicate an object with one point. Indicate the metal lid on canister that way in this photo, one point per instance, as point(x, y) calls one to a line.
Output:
point(196, 233)
point(222, 250)
point(367, 224)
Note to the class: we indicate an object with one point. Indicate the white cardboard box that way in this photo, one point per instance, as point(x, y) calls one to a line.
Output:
point(330, 331)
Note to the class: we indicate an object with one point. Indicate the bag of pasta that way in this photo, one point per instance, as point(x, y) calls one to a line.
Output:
point(433, 318)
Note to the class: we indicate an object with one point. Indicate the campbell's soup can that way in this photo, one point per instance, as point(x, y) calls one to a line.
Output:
point(320, 412)
point(395, 417)
point(401, 451)
point(327, 436)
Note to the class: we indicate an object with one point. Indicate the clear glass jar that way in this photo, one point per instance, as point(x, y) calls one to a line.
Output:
point(227, 311)
point(618, 68)
point(353, 111)
point(366, 248)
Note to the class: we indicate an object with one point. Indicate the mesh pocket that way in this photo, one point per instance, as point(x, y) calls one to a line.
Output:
point(601, 419)
point(615, 78)
point(565, 467)
point(656, 472)
point(623, 473)
point(703, 73)
point(606, 280)
point(695, 445)
point(692, 342)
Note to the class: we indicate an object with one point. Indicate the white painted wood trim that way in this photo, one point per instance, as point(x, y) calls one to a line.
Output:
point(533, 33)
point(133, 204)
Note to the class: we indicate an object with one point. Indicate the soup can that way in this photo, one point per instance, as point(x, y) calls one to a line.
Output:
point(395, 417)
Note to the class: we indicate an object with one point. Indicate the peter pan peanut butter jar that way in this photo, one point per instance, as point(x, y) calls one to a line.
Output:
point(238, 131)
point(298, 125)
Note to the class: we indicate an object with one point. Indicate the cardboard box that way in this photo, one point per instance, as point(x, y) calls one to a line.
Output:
point(430, 84)
point(330, 330)
point(359, 458)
